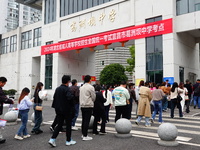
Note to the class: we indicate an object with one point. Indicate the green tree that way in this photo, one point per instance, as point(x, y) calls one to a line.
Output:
point(131, 61)
point(113, 74)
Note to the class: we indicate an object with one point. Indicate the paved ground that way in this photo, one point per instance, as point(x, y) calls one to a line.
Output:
point(143, 138)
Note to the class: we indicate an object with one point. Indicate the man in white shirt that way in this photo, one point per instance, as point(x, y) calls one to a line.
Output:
point(122, 96)
point(87, 98)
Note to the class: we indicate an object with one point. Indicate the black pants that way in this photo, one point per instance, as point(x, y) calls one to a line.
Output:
point(121, 111)
point(99, 114)
point(86, 115)
point(107, 109)
point(60, 118)
point(55, 122)
point(174, 103)
point(187, 103)
point(130, 106)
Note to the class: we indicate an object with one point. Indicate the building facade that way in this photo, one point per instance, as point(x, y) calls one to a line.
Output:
point(15, 15)
point(165, 33)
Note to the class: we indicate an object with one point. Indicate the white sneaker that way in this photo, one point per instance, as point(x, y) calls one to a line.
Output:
point(87, 138)
point(26, 136)
point(147, 125)
point(74, 128)
point(72, 142)
point(52, 142)
point(18, 137)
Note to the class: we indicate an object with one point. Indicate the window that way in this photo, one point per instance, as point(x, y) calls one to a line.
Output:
point(26, 40)
point(154, 55)
point(50, 11)
point(37, 37)
point(181, 74)
point(13, 43)
point(187, 6)
point(71, 6)
point(48, 69)
point(4, 46)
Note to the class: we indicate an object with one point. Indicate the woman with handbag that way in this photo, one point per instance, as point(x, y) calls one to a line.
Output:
point(37, 109)
point(175, 99)
point(24, 107)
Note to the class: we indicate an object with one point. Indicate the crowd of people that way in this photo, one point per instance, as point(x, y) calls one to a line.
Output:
point(96, 100)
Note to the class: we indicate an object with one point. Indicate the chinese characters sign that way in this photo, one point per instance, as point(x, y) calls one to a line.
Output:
point(93, 21)
point(93, 78)
point(119, 35)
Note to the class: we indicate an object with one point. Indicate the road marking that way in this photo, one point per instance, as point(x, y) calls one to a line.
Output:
point(156, 138)
point(180, 138)
point(153, 135)
point(112, 113)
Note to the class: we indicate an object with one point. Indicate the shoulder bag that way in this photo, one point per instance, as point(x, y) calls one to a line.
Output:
point(38, 108)
point(179, 98)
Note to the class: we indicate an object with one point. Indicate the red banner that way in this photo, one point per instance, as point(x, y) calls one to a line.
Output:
point(119, 35)
point(93, 78)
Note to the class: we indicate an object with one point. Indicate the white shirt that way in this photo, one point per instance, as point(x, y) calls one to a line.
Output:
point(108, 99)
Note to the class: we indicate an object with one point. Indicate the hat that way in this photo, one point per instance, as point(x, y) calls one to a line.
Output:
point(198, 79)
point(187, 80)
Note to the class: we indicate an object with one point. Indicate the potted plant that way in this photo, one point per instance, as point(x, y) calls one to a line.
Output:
point(11, 93)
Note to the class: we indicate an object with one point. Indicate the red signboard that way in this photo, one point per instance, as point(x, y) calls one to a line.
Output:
point(119, 35)
point(93, 78)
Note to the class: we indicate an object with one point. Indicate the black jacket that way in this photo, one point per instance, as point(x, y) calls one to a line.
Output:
point(196, 86)
point(99, 102)
point(37, 99)
point(75, 91)
point(189, 88)
point(3, 99)
point(63, 100)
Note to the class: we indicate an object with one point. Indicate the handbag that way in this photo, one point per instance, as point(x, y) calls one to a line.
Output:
point(179, 98)
point(186, 97)
point(38, 108)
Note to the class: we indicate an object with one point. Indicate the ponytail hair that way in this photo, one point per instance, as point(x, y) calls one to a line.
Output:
point(106, 90)
point(24, 92)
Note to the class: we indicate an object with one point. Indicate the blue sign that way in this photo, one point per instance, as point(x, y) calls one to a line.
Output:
point(170, 79)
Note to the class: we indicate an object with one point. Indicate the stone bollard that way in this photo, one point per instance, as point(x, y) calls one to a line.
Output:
point(123, 127)
point(168, 134)
point(11, 117)
point(33, 119)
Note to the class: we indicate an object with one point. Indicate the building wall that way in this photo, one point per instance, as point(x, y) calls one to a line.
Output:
point(106, 17)
point(17, 66)
point(27, 67)
point(3, 16)
point(111, 56)
point(178, 49)
point(15, 15)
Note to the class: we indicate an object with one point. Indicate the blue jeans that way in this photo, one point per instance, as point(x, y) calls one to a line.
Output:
point(165, 102)
point(38, 118)
point(146, 120)
point(157, 108)
point(196, 100)
point(76, 114)
point(24, 118)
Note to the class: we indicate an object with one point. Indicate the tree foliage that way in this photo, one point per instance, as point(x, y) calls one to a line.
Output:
point(113, 74)
point(131, 61)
